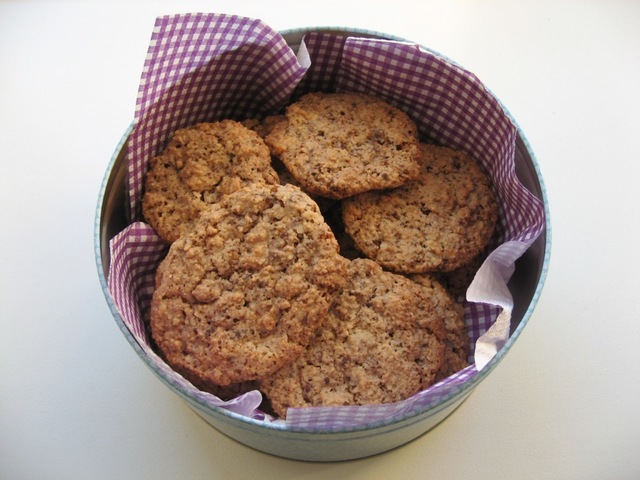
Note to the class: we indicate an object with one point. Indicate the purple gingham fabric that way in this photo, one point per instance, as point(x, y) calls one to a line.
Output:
point(325, 53)
point(207, 67)
point(204, 68)
point(135, 253)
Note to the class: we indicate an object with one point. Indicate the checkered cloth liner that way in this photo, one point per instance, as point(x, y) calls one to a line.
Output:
point(135, 253)
point(325, 51)
point(205, 67)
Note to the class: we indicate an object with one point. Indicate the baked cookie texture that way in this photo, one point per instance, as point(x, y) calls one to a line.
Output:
point(456, 330)
point(318, 256)
point(382, 341)
point(437, 222)
point(340, 144)
point(200, 165)
point(263, 127)
point(242, 293)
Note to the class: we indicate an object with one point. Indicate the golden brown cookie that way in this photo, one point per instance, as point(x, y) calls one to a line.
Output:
point(381, 342)
point(285, 176)
point(200, 165)
point(340, 144)
point(241, 294)
point(452, 313)
point(438, 222)
point(263, 126)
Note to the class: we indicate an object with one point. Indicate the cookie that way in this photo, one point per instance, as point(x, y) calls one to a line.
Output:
point(201, 165)
point(452, 313)
point(241, 294)
point(438, 222)
point(382, 341)
point(285, 177)
point(263, 126)
point(340, 144)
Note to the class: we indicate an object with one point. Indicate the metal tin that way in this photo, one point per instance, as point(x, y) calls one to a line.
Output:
point(525, 285)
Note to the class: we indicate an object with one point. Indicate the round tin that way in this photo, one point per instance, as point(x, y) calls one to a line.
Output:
point(366, 440)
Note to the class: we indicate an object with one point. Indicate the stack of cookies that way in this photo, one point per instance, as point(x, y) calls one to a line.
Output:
point(307, 253)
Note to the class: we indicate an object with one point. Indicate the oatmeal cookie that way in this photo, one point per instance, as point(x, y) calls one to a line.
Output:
point(243, 292)
point(438, 222)
point(341, 144)
point(452, 313)
point(381, 342)
point(263, 126)
point(200, 165)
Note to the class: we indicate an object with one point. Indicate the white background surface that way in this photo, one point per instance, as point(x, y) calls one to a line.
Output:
point(77, 403)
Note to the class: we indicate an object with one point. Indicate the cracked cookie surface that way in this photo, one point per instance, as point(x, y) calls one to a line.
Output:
point(242, 293)
point(456, 330)
point(200, 165)
point(382, 341)
point(437, 222)
point(340, 144)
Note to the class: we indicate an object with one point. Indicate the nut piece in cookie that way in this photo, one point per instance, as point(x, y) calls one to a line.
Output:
point(242, 293)
point(200, 165)
point(438, 222)
point(341, 144)
point(381, 342)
